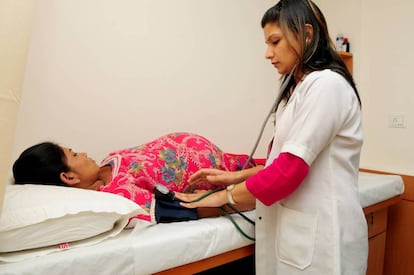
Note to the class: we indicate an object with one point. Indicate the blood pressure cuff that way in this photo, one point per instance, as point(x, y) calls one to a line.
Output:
point(172, 211)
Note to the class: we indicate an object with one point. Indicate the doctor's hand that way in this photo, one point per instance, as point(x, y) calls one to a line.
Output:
point(216, 199)
point(216, 177)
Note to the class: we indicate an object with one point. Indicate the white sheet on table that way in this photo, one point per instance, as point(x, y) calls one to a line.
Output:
point(176, 244)
point(375, 188)
point(112, 256)
point(142, 250)
point(149, 249)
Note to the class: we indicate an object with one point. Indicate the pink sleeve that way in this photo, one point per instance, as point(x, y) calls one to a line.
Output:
point(279, 179)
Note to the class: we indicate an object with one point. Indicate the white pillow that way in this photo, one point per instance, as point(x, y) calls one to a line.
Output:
point(37, 216)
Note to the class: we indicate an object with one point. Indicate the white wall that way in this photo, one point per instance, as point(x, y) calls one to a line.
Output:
point(381, 35)
point(15, 25)
point(107, 74)
point(103, 75)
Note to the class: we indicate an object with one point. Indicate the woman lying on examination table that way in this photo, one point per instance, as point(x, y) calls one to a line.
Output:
point(133, 172)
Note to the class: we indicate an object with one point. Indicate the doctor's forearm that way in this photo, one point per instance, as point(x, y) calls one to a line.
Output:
point(247, 173)
point(242, 195)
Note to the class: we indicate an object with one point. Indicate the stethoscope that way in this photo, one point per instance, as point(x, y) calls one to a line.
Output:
point(272, 110)
point(162, 192)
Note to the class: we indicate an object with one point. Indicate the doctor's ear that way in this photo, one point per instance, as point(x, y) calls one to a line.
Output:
point(69, 178)
point(309, 33)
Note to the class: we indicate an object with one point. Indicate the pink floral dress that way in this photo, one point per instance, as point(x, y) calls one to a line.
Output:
point(169, 160)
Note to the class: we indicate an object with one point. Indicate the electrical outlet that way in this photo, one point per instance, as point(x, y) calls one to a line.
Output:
point(397, 121)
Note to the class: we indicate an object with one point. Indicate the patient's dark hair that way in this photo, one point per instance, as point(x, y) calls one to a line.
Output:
point(41, 164)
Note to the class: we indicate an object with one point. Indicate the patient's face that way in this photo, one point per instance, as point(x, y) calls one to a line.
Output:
point(82, 168)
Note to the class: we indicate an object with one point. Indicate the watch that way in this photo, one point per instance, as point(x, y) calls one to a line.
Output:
point(230, 195)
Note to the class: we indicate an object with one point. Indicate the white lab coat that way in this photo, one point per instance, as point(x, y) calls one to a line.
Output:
point(319, 229)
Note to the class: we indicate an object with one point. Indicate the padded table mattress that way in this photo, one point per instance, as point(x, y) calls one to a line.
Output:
point(142, 250)
point(375, 188)
point(150, 249)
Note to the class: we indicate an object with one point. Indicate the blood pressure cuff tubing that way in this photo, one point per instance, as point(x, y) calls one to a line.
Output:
point(172, 211)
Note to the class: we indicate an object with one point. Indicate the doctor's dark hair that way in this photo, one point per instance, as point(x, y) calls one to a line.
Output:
point(318, 52)
point(40, 164)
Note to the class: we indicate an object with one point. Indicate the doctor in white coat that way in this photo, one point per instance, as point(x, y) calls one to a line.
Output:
point(308, 216)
